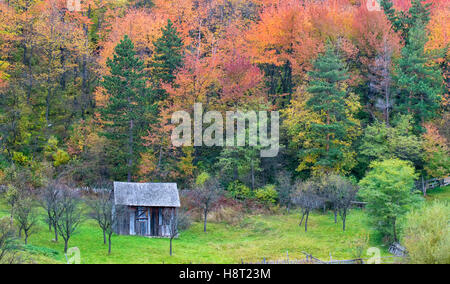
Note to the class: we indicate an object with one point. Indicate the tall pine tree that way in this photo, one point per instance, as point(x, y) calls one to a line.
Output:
point(403, 22)
point(167, 56)
point(328, 102)
point(127, 101)
point(419, 82)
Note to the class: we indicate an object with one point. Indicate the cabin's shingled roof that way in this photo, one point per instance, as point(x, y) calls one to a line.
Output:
point(146, 194)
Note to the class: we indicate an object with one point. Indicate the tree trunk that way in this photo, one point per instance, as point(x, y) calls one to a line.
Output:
point(328, 134)
point(424, 189)
point(160, 155)
point(49, 221)
point(395, 230)
point(236, 172)
point(130, 158)
point(306, 222)
point(335, 216)
point(171, 246)
point(206, 217)
point(30, 71)
point(387, 104)
point(104, 237)
point(109, 244)
point(56, 232)
point(66, 244)
point(344, 218)
point(84, 74)
point(26, 237)
point(303, 216)
point(47, 106)
point(253, 176)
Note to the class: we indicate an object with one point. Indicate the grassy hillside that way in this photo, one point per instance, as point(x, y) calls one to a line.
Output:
point(255, 238)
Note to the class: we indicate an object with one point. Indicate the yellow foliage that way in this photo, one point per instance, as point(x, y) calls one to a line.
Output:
point(147, 164)
point(21, 158)
point(298, 121)
point(61, 157)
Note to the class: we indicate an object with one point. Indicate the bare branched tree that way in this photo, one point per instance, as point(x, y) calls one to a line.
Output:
point(205, 196)
point(176, 220)
point(340, 193)
point(102, 211)
point(71, 216)
point(330, 192)
point(49, 201)
point(285, 188)
point(26, 216)
point(307, 197)
point(380, 79)
point(347, 194)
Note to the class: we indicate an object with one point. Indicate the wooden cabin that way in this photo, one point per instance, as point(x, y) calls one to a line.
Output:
point(145, 209)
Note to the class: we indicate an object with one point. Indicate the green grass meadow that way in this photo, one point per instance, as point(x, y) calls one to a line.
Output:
point(255, 238)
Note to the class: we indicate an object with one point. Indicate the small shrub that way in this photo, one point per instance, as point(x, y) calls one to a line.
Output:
point(267, 195)
point(240, 191)
point(202, 178)
point(21, 158)
point(61, 157)
point(426, 234)
point(359, 245)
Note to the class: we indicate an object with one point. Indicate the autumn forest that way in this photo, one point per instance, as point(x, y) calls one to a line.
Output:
point(87, 94)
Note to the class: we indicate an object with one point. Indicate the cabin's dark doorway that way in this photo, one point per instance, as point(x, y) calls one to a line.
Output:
point(142, 220)
point(154, 221)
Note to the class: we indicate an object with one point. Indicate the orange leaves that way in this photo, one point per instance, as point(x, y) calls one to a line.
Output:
point(294, 32)
point(433, 139)
point(439, 29)
point(8, 36)
point(147, 165)
point(281, 29)
point(238, 78)
point(436, 152)
point(142, 28)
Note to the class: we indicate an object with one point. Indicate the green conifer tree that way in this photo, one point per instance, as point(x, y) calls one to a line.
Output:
point(168, 55)
point(328, 101)
point(401, 21)
point(419, 82)
point(128, 99)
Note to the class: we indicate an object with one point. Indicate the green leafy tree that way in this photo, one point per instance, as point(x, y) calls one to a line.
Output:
point(419, 82)
point(381, 142)
point(388, 190)
point(128, 99)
